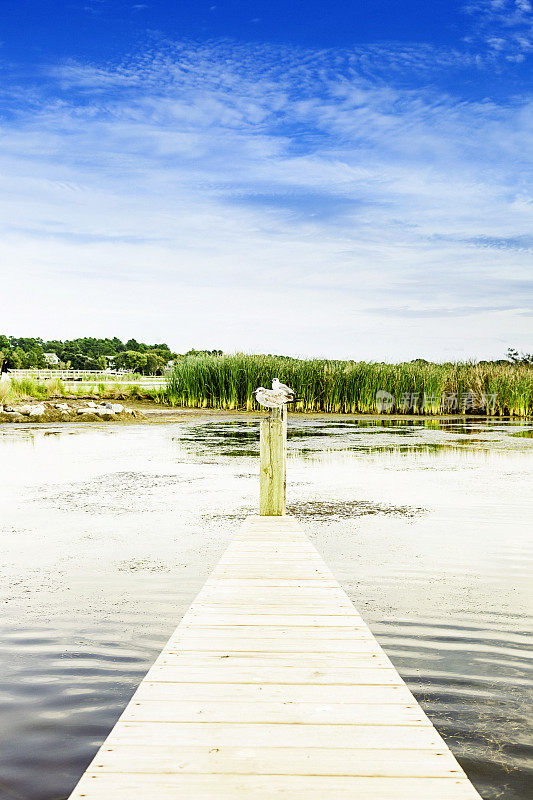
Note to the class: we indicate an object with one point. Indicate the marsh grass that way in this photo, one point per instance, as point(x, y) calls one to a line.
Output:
point(346, 387)
point(29, 389)
point(17, 391)
point(4, 392)
point(228, 382)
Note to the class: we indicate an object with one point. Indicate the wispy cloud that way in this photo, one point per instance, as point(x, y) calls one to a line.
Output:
point(95, 6)
point(206, 184)
point(520, 244)
point(505, 27)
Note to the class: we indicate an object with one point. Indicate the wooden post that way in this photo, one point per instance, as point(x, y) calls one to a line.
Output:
point(273, 457)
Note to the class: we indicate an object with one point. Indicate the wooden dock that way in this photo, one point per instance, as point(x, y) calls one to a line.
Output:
point(272, 686)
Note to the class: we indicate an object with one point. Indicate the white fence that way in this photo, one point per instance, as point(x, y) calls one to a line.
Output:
point(84, 376)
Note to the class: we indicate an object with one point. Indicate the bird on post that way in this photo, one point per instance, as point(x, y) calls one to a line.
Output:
point(277, 386)
point(277, 397)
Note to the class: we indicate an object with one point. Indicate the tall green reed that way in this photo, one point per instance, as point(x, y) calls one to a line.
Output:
point(228, 382)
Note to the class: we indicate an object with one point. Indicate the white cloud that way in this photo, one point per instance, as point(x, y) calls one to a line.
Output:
point(504, 26)
point(178, 195)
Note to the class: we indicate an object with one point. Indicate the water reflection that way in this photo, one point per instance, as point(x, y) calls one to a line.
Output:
point(308, 437)
point(108, 534)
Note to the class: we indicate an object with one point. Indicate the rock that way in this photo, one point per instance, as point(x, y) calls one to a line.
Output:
point(90, 404)
point(103, 411)
point(108, 406)
point(117, 408)
point(85, 411)
point(10, 410)
point(25, 410)
point(62, 407)
point(37, 411)
point(11, 416)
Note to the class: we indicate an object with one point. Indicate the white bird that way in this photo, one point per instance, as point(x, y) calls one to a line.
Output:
point(271, 399)
point(282, 387)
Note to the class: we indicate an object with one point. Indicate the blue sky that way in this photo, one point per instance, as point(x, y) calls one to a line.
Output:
point(349, 180)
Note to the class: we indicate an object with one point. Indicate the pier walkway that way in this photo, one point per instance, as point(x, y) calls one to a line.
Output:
point(272, 686)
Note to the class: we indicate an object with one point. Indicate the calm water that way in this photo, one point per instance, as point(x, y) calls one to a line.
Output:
point(108, 533)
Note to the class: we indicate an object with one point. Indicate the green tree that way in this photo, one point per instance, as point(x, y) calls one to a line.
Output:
point(194, 352)
point(133, 344)
point(154, 363)
point(132, 360)
point(35, 357)
point(164, 354)
point(17, 359)
point(82, 353)
point(519, 358)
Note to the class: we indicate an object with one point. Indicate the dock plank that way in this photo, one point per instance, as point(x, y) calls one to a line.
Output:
point(164, 786)
point(273, 686)
point(398, 763)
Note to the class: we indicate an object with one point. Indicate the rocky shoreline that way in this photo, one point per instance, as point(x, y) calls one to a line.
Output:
point(84, 411)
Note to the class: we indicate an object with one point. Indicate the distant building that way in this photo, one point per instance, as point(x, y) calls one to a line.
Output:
point(52, 360)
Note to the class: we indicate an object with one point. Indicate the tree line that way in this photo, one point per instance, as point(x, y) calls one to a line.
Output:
point(88, 353)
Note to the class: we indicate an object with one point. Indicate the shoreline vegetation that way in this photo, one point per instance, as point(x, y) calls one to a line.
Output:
point(226, 382)
point(350, 387)
point(89, 353)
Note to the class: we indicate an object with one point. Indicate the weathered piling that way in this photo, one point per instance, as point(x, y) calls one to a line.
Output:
point(273, 458)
